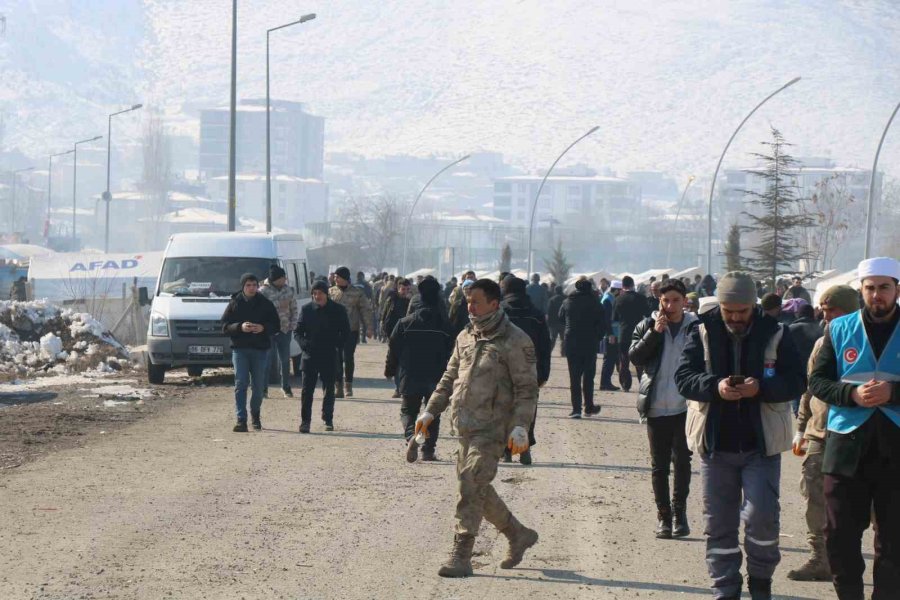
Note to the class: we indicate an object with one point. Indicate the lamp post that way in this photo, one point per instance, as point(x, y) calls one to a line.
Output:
point(106, 195)
point(712, 187)
point(15, 175)
point(302, 19)
point(871, 203)
point(50, 189)
point(413, 207)
point(75, 183)
point(541, 187)
point(675, 225)
point(232, 201)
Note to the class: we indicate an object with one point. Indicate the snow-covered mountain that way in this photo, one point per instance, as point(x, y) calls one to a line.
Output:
point(666, 82)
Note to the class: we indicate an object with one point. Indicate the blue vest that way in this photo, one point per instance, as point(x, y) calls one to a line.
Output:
point(857, 365)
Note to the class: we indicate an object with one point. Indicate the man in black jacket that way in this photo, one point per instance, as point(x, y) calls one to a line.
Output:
point(553, 323)
point(523, 314)
point(250, 320)
point(322, 331)
point(805, 331)
point(582, 317)
point(630, 309)
point(418, 351)
point(396, 306)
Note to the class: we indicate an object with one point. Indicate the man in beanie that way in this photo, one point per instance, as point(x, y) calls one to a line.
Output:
point(279, 293)
point(739, 373)
point(809, 442)
point(359, 309)
point(584, 324)
point(418, 351)
point(250, 320)
point(857, 372)
point(322, 330)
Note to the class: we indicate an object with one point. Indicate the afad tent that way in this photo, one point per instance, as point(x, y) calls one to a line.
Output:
point(79, 276)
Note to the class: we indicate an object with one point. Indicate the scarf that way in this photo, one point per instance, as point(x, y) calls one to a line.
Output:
point(486, 324)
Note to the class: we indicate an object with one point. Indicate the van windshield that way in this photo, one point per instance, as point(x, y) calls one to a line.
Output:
point(209, 276)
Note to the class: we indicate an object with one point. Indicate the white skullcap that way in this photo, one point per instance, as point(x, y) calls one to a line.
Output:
point(881, 266)
point(616, 284)
point(707, 303)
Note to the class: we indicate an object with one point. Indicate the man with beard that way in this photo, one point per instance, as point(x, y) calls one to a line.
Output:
point(857, 372)
point(582, 317)
point(358, 310)
point(739, 372)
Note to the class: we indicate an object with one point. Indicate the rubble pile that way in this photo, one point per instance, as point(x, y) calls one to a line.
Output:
point(39, 338)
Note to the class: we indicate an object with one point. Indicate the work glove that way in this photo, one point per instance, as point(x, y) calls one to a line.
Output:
point(799, 444)
point(423, 422)
point(518, 440)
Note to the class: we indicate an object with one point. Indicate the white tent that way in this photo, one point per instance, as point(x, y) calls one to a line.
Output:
point(422, 272)
point(23, 252)
point(847, 278)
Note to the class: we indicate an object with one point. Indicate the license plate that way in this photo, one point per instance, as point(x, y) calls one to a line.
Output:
point(206, 349)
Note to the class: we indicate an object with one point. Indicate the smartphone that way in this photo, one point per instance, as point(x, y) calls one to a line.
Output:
point(734, 380)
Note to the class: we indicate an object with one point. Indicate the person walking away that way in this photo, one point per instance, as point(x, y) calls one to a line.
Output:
point(458, 312)
point(538, 293)
point(582, 318)
point(18, 290)
point(491, 383)
point(282, 296)
point(809, 442)
point(739, 372)
point(653, 298)
point(250, 320)
point(857, 372)
point(611, 342)
point(553, 323)
point(396, 306)
point(322, 330)
point(518, 308)
point(629, 310)
point(358, 310)
point(797, 290)
point(418, 351)
point(657, 345)
point(805, 330)
point(366, 288)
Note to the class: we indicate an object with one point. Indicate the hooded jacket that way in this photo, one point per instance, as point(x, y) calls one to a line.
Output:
point(523, 314)
point(582, 316)
point(257, 309)
point(418, 351)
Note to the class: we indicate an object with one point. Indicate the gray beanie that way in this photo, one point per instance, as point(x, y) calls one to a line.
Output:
point(736, 287)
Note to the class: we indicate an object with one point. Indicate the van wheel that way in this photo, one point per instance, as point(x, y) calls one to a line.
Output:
point(195, 370)
point(156, 374)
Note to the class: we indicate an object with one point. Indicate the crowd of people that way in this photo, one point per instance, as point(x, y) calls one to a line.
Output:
point(722, 365)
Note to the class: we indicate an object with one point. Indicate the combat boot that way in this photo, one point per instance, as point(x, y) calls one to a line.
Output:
point(664, 527)
point(348, 389)
point(680, 522)
point(760, 589)
point(460, 562)
point(815, 569)
point(520, 539)
point(339, 388)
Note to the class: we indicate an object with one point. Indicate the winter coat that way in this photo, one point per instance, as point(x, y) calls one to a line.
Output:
point(358, 306)
point(257, 309)
point(538, 296)
point(394, 309)
point(418, 351)
point(630, 309)
point(285, 303)
point(582, 316)
point(529, 319)
point(797, 291)
point(812, 416)
point(490, 383)
point(805, 332)
point(553, 306)
point(321, 330)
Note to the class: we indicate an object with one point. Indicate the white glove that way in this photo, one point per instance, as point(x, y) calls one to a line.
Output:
point(518, 440)
point(423, 422)
point(798, 437)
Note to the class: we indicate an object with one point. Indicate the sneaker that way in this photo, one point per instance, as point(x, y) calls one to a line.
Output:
point(348, 389)
point(287, 393)
point(257, 424)
point(596, 409)
point(396, 394)
point(304, 427)
point(574, 415)
point(329, 427)
point(525, 458)
point(412, 450)
point(428, 455)
point(240, 427)
point(609, 388)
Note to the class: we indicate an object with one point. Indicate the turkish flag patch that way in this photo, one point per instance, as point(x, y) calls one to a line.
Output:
point(850, 355)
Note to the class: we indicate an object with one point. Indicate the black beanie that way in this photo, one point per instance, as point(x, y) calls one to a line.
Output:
point(583, 285)
point(430, 290)
point(343, 273)
point(276, 272)
point(512, 285)
point(248, 277)
point(320, 285)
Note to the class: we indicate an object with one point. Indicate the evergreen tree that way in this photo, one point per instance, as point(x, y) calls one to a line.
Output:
point(505, 259)
point(558, 267)
point(778, 219)
point(733, 249)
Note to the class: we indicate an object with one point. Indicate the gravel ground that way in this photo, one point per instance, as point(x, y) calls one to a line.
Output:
point(169, 503)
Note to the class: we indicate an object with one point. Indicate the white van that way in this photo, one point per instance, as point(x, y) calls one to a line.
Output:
point(199, 273)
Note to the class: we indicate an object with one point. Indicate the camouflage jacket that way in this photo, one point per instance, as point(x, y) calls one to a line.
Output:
point(285, 303)
point(358, 306)
point(490, 383)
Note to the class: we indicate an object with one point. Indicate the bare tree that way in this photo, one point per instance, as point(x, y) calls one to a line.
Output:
point(156, 172)
point(376, 224)
point(887, 225)
point(832, 213)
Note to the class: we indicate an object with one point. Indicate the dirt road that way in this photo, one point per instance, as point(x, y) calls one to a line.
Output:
point(176, 506)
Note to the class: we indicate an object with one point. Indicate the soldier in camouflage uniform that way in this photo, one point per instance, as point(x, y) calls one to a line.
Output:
point(358, 309)
point(491, 388)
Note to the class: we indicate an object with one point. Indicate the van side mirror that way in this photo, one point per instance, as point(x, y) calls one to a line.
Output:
point(143, 296)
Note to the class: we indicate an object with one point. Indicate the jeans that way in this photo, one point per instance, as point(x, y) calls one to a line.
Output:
point(668, 444)
point(610, 360)
point(250, 367)
point(314, 368)
point(345, 358)
point(409, 412)
point(582, 368)
point(740, 487)
point(281, 351)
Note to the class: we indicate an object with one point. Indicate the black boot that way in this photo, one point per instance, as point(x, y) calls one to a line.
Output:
point(240, 426)
point(664, 528)
point(257, 424)
point(507, 455)
point(850, 591)
point(681, 528)
point(760, 589)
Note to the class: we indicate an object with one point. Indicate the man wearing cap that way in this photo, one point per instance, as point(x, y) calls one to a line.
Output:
point(809, 441)
point(250, 320)
point(857, 372)
point(279, 293)
point(611, 342)
point(322, 330)
point(739, 372)
point(359, 309)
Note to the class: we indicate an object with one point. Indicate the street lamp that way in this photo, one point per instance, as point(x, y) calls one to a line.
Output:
point(541, 187)
point(50, 188)
point(75, 182)
point(871, 206)
point(413, 207)
point(302, 19)
point(15, 175)
point(712, 188)
point(232, 126)
point(675, 225)
point(106, 195)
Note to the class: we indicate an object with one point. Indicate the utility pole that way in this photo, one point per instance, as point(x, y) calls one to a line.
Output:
point(232, 201)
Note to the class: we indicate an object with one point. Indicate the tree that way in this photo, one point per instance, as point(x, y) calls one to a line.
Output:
point(505, 265)
point(886, 240)
point(156, 176)
point(376, 224)
point(833, 212)
point(777, 221)
point(733, 249)
point(558, 267)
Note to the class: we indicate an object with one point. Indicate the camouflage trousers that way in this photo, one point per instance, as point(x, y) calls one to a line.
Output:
point(812, 489)
point(476, 467)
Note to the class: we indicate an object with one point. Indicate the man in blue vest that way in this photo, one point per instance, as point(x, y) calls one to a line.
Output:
point(858, 374)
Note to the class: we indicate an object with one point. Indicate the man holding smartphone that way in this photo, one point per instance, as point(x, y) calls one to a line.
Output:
point(740, 370)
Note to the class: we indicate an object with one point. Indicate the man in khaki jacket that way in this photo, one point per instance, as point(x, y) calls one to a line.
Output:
point(491, 388)
point(358, 307)
point(812, 421)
